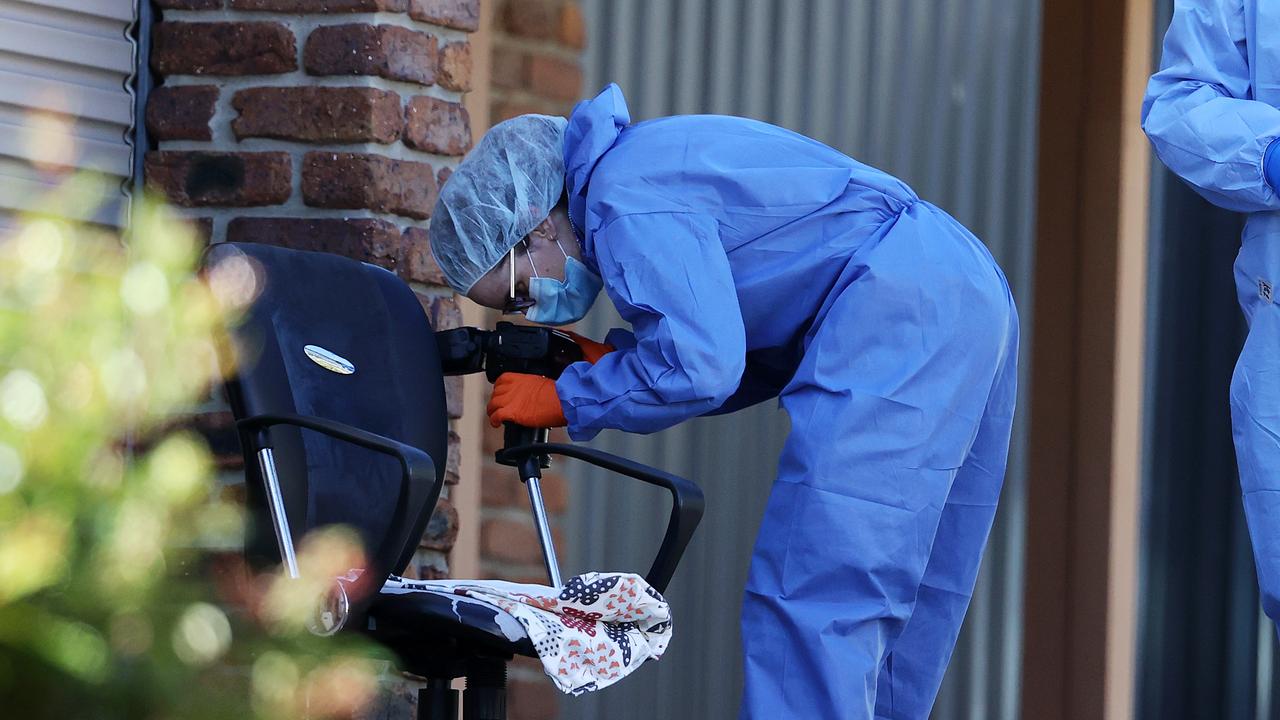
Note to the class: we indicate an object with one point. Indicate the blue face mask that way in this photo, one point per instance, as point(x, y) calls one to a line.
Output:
point(562, 302)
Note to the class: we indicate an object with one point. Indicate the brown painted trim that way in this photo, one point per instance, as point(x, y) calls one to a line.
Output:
point(1082, 484)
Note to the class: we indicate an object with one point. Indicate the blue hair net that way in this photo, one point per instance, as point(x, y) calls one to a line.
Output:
point(497, 195)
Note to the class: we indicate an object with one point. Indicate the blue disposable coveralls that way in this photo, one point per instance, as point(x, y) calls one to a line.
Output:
point(754, 263)
point(1211, 113)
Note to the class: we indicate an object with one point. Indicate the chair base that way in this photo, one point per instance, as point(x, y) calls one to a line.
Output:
point(437, 700)
point(484, 699)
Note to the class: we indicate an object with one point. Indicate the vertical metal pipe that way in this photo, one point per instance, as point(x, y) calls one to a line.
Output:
point(534, 486)
point(275, 501)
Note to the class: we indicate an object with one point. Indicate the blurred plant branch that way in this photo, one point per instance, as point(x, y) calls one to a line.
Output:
point(105, 338)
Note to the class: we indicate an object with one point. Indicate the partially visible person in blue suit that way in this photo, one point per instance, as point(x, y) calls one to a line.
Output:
point(1213, 114)
point(754, 263)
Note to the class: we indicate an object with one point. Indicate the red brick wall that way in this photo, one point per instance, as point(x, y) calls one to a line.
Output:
point(535, 68)
point(536, 57)
point(330, 124)
point(321, 125)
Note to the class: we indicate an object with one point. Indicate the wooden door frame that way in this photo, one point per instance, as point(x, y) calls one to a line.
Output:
point(1087, 362)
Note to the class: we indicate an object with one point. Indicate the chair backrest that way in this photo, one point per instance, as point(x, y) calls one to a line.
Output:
point(311, 307)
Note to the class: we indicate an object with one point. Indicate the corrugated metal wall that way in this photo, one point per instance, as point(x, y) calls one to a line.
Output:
point(939, 92)
point(72, 58)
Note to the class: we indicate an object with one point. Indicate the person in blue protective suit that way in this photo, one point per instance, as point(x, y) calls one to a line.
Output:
point(1213, 114)
point(751, 263)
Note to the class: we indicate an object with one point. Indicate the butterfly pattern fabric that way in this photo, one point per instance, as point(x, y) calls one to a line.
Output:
point(595, 631)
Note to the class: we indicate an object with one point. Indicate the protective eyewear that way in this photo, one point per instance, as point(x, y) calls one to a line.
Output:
point(517, 305)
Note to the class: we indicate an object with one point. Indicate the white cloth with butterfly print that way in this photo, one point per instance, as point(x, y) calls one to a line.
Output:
point(597, 630)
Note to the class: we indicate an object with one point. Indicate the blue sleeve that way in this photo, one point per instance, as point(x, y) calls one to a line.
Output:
point(1199, 113)
point(668, 276)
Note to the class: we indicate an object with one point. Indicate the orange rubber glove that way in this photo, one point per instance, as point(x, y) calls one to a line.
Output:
point(528, 400)
point(591, 350)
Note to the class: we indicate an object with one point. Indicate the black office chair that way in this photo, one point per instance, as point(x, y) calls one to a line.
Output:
point(337, 387)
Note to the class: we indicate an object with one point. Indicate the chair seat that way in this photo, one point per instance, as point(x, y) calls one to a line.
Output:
point(440, 613)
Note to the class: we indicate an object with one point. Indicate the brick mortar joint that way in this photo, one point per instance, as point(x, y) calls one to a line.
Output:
point(310, 21)
point(230, 84)
point(555, 47)
point(297, 149)
point(545, 104)
point(521, 515)
point(287, 211)
point(524, 94)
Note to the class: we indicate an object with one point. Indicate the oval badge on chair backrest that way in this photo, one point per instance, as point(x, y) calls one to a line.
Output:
point(328, 360)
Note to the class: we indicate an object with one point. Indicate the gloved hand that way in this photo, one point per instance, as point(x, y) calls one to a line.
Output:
point(528, 400)
point(591, 350)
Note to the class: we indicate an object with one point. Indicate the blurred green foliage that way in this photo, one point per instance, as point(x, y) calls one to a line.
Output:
point(104, 340)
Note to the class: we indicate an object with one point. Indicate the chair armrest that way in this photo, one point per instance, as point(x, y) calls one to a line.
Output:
point(419, 483)
point(687, 501)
